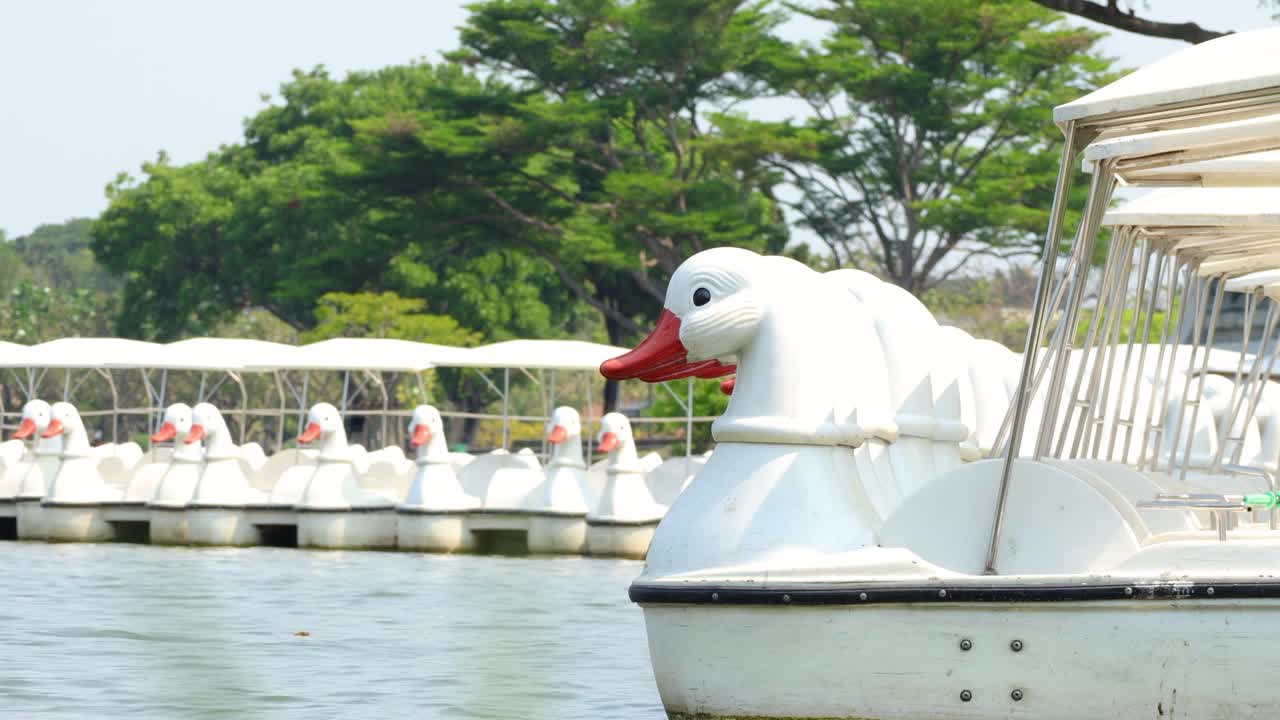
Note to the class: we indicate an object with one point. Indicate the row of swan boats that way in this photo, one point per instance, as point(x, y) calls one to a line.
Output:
point(1109, 548)
point(197, 486)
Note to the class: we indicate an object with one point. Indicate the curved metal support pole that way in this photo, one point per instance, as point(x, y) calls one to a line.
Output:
point(1056, 215)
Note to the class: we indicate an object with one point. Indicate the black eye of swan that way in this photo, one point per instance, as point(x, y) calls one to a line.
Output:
point(701, 297)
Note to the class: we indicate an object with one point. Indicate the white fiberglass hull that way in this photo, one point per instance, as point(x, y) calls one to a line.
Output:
point(75, 522)
point(441, 532)
point(220, 526)
point(557, 534)
point(168, 524)
point(1069, 652)
point(607, 538)
point(356, 528)
point(31, 524)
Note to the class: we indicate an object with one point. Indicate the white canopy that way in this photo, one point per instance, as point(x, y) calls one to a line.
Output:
point(213, 354)
point(85, 353)
point(1268, 280)
point(1166, 148)
point(1215, 207)
point(1253, 170)
point(378, 354)
point(537, 354)
point(1230, 65)
point(13, 355)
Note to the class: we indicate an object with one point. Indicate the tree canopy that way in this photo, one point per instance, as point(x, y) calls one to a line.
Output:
point(929, 142)
point(547, 177)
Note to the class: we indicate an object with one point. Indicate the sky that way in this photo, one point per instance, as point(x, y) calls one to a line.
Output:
point(90, 89)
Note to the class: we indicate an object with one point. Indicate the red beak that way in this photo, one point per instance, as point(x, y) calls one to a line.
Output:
point(726, 386)
point(421, 434)
point(25, 430)
point(311, 433)
point(196, 434)
point(54, 430)
point(661, 356)
point(166, 433)
point(558, 434)
point(608, 442)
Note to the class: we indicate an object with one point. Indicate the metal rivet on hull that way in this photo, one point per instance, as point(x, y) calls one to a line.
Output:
point(965, 696)
point(966, 644)
point(1016, 695)
point(1016, 646)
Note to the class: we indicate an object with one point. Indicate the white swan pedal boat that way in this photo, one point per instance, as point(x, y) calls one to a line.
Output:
point(845, 552)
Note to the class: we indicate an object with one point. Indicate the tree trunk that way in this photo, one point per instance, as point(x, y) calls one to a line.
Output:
point(617, 336)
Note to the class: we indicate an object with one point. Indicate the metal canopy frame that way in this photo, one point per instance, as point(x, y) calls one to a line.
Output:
point(1065, 295)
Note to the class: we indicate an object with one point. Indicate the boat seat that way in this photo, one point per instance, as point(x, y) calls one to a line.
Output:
point(268, 476)
point(669, 479)
point(1055, 522)
point(1128, 487)
point(388, 476)
point(11, 451)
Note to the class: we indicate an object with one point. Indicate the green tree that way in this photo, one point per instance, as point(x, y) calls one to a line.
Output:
point(384, 315)
point(930, 142)
point(271, 224)
point(596, 145)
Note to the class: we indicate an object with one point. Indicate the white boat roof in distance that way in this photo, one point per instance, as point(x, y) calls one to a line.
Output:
point(1258, 169)
point(377, 354)
point(13, 355)
point(1200, 142)
point(95, 353)
point(1200, 207)
point(1230, 65)
point(213, 354)
point(1268, 280)
point(538, 355)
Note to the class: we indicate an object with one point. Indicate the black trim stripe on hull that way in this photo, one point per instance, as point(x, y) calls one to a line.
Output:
point(594, 522)
point(872, 593)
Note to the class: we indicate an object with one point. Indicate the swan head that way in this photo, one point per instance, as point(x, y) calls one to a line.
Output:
point(713, 310)
point(177, 423)
point(206, 421)
point(35, 419)
point(64, 419)
point(322, 419)
point(564, 424)
point(615, 432)
point(425, 424)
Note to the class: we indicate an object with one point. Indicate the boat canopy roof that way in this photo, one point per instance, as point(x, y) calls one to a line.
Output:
point(1169, 148)
point(1265, 280)
point(92, 353)
point(212, 354)
point(241, 355)
point(538, 354)
point(378, 354)
point(14, 355)
point(1237, 207)
point(1228, 66)
point(1254, 169)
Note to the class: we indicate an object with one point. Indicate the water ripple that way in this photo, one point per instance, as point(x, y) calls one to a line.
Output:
point(105, 630)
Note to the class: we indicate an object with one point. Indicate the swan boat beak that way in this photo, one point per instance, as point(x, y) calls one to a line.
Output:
point(557, 435)
point(196, 434)
point(662, 356)
point(421, 434)
point(25, 430)
point(55, 429)
point(166, 433)
point(311, 433)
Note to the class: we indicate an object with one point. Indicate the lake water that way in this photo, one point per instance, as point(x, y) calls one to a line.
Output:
point(113, 630)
